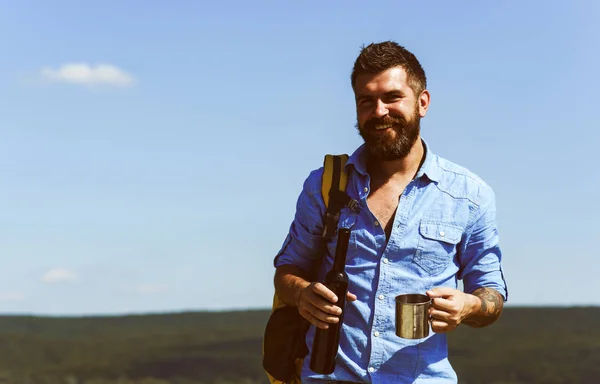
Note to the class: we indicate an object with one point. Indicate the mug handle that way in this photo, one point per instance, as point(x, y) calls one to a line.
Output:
point(430, 318)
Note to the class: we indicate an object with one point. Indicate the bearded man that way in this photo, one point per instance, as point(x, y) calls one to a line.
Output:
point(422, 224)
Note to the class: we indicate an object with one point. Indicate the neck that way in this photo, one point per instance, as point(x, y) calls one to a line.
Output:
point(403, 168)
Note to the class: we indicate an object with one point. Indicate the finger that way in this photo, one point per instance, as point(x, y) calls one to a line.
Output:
point(320, 315)
point(441, 292)
point(438, 326)
point(445, 317)
point(350, 296)
point(320, 304)
point(314, 320)
point(440, 315)
point(321, 290)
point(444, 304)
point(321, 309)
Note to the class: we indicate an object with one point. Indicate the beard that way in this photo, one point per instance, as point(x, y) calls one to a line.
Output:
point(381, 146)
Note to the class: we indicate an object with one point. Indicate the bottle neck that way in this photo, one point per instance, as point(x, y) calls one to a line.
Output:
point(341, 249)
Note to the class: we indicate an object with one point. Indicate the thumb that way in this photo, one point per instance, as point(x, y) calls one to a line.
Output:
point(442, 292)
point(350, 296)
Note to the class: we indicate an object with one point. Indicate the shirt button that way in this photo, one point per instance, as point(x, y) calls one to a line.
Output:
point(385, 260)
point(376, 223)
point(381, 297)
point(376, 333)
point(366, 189)
point(442, 233)
point(371, 369)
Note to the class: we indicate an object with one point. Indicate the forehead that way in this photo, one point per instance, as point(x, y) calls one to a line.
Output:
point(392, 79)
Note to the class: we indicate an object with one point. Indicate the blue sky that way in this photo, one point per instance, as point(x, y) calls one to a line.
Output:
point(151, 153)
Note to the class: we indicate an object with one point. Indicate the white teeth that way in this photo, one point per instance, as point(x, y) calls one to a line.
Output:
point(384, 126)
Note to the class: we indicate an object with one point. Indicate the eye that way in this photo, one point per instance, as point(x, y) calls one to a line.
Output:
point(365, 103)
point(393, 98)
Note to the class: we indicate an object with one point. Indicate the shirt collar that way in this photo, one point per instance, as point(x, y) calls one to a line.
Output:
point(429, 168)
point(359, 160)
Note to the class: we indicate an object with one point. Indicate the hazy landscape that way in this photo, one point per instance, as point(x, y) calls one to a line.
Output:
point(527, 345)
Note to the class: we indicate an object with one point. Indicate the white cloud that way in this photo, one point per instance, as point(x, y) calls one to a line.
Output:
point(86, 74)
point(58, 275)
point(11, 296)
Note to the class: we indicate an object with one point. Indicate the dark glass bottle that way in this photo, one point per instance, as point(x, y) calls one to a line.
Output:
point(326, 341)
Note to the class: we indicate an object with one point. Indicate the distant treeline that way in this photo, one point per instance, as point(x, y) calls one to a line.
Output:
point(527, 345)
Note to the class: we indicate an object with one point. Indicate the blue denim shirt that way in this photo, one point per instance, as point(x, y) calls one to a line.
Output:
point(444, 229)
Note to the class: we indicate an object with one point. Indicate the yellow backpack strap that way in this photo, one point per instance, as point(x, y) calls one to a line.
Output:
point(333, 190)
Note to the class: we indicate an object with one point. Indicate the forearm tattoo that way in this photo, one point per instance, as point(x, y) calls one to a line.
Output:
point(491, 307)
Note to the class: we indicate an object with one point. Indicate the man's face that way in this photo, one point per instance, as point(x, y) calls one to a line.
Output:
point(388, 113)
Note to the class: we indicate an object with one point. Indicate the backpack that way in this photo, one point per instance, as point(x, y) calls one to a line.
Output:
point(284, 346)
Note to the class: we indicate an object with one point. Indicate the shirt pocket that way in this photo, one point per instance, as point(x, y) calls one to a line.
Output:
point(437, 246)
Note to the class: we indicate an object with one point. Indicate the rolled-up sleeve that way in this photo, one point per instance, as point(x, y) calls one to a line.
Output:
point(481, 257)
point(303, 243)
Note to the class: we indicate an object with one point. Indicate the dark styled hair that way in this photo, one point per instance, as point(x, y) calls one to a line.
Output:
point(378, 57)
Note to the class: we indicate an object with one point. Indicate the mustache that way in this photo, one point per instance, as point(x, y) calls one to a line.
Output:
point(372, 123)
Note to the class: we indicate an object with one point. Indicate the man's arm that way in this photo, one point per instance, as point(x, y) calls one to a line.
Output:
point(452, 307)
point(480, 260)
point(289, 281)
point(299, 253)
point(480, 270)
point(487, 310)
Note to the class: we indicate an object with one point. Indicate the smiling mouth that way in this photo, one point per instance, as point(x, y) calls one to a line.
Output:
point(383, 126)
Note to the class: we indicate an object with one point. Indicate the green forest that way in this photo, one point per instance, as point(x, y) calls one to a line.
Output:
point(527, 345)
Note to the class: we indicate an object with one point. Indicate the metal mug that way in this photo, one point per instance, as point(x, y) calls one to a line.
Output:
point(412, 316)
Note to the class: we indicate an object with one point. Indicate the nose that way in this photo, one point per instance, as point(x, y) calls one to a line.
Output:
point(381, 109)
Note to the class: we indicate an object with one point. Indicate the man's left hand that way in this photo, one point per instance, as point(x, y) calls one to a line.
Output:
point(450, 307)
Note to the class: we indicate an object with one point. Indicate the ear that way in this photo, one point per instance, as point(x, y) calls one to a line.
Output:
point(424, 100)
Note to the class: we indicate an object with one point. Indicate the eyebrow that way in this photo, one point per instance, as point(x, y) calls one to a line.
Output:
point(386, 94)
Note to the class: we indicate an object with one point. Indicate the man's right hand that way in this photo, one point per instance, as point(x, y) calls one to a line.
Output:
point(316, 303)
